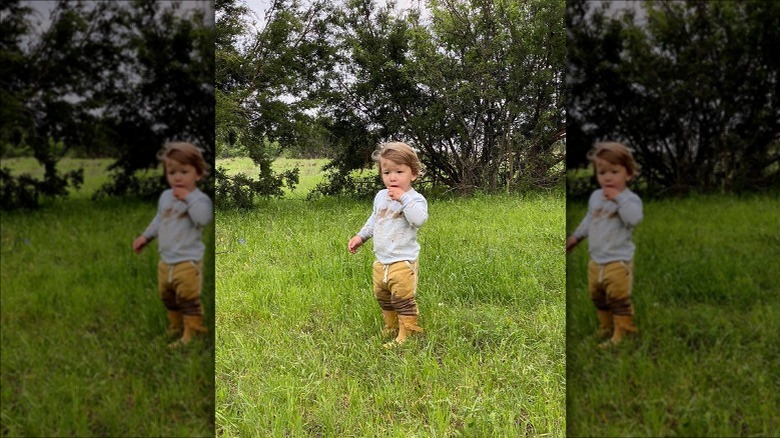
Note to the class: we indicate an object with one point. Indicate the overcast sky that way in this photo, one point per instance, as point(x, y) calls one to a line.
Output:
point(45, 7)
point(259, 6)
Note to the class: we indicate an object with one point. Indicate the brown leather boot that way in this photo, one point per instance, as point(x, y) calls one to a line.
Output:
point(605, 324)
point(391, 322)
point(624, 325)
point(192, 326)
point(174, 324)
point(406, 326)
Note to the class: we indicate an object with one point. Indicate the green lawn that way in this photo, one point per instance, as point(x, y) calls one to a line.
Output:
point(82, 326)
point(310, 171)
point(95, 171)
point(298, 346)
point(298, 350)
point(708, 309)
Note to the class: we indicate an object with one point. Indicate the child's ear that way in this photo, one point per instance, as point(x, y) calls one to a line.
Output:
point(414, 177)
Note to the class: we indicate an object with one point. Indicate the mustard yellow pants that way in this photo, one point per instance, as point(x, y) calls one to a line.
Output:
point(179, 286)
point(609, 286)
point(395, 286)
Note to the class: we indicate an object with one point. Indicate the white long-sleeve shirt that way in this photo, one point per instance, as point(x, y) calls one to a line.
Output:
point(394, 224)
point(179, 225)
point(609, 226)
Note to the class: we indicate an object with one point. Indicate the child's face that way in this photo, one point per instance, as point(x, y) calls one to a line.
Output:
point(181, 175)
point(610, 175)
point(396, 175)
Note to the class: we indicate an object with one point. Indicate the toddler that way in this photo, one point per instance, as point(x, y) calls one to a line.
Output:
point(399, 211)
point(182, 213)
point(613, 212)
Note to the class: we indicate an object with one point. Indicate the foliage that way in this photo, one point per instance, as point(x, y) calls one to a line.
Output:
point(478, 90)
point(26, 191)
point(346, 184)
point(262, 85)
point(38, 111)
point(232, 122)
point(104, 79)
point(239, 191)
point(168, 94)
point(264, 75)
point(692, 87)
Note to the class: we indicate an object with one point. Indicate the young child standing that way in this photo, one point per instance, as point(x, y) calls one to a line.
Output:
point(613, 213)
point(399, 211)
point(182, 213)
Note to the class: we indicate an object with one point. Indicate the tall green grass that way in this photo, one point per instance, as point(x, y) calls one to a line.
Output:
point(82, 328)
point(298, 344)
point(707, 306)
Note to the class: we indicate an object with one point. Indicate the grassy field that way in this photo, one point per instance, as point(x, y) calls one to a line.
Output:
point(310, 171)
point(708, 309)
point(95, 171)
point(82, 327)
point(298, 346)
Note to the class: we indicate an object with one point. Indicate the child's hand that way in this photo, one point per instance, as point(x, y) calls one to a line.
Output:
point(395, 193)
point(139, 244)
point(571, 242)
point(610, 193)
point(180, 193)
point(354, 244)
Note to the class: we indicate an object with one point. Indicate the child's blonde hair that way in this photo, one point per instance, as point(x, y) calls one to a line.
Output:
point(400, 153)
point(185, 153)
point(614, 153)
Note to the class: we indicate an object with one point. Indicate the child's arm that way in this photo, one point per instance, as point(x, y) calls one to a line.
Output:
point(148, 235)
point(629, 208)
point(571, 242)
point(580, 233)
point(354, 243)
point(140, 243)
point(415, 209)
point(199, 208)
point(364, 234)
point(151, 231)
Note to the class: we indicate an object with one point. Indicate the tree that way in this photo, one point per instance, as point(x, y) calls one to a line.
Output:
point(265, 80)
point(106, 78)
point(46, 102)
point(167, 94)
point(694, 90)
point(479, 91)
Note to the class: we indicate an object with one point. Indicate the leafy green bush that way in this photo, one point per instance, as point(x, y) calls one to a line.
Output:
point(339, 183)
point(240, 191)
point(25, 191)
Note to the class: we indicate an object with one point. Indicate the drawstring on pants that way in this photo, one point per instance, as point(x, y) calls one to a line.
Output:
point(386, 269)
point(601, 270)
